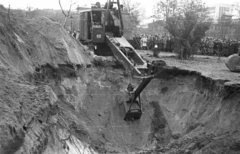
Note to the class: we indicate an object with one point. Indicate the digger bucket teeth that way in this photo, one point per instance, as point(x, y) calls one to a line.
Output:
point(133, 111)
point(133, 114)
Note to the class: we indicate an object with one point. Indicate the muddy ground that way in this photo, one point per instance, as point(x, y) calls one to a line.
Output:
point(57, 98)
point(209, 66)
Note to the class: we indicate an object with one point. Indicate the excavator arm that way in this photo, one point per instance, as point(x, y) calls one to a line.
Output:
point(153, 69)
point(133, 106)
point(140, 88)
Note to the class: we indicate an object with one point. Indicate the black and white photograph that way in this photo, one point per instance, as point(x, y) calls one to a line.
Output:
point(120, 77)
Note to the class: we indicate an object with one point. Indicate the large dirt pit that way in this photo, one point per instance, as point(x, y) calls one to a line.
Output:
point(183, 112)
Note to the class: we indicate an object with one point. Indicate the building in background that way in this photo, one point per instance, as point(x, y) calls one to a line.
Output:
point(218, 10)
point(153, 28)
point(224, 21)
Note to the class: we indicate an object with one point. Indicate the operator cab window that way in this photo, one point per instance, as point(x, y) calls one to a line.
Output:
point(97, 18)
point(115, 8)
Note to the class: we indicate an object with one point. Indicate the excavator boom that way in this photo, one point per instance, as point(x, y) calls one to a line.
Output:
point(142, 85)
point(126, 54)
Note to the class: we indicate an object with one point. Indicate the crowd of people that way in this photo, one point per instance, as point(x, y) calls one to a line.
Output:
point(151, 42)
point(217, 46)
point(208, 45)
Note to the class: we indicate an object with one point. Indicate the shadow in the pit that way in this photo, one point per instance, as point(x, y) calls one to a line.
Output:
point(160, 128)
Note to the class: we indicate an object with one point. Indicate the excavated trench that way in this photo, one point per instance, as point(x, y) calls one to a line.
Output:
point(183, 112)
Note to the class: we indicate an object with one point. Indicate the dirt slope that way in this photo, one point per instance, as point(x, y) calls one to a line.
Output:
point(29, 107)
point(26, 45)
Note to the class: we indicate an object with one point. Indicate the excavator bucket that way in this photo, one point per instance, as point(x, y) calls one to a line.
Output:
point(133, 110)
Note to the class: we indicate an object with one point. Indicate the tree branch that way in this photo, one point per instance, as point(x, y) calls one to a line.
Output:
point(71, 8)
point(62, 8)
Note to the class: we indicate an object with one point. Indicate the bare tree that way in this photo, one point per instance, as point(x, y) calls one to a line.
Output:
point(134, 9)
point(164, 8)
point(66, 14)
point(187, 22)
point(28, 12)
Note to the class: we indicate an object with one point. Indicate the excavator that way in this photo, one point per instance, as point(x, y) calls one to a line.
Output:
point(102, 28)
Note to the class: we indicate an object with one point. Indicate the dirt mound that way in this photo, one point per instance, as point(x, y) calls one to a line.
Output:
point(65, 49)
point(27, 44)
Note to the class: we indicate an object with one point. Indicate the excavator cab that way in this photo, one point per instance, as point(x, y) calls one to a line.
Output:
point(92, 25)
point(98, 21)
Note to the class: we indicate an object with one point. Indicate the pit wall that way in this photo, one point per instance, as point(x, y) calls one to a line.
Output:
point(35, 118)
point(202, 113)
point(182, 112)
point(91, 109)
point(32, 120)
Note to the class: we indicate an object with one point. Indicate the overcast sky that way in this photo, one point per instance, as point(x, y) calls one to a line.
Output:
point(53, 4)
